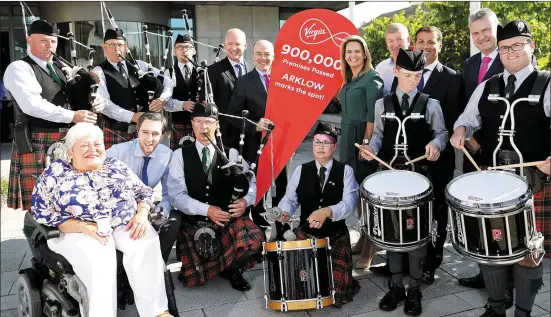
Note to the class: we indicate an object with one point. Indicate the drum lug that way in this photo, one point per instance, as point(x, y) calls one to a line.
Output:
point(283, 305)
point(319, 303)
point(535, 245)
point(434, 232)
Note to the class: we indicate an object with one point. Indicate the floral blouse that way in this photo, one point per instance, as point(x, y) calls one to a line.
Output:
point(62, 193)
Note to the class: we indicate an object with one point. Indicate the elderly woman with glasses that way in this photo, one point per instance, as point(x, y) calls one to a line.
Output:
point(99, 205)
point(327, 192)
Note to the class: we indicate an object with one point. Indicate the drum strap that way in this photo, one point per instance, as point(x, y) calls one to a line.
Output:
point(494, 85)
point(541, 82)
point(389, 105)
point(420, 104)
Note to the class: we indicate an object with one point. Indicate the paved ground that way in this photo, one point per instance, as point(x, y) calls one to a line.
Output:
point(444, 298)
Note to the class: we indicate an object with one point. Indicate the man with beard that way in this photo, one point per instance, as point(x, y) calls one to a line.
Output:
point(223, 75)
point(125, 91)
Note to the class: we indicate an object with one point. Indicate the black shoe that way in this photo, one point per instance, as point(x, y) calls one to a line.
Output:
point(509, 296)
point(390, 301)
point(238, 282)
point(412, 305)
point(490, 312)
point(428, 277)
point(473, 282)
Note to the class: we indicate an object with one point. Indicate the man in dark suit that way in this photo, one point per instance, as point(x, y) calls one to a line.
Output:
point(251, 93)
point(223, 75)
point(445, 85)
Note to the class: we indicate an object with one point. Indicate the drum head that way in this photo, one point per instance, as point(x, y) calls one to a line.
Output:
point(396, 185)
point(488, 189)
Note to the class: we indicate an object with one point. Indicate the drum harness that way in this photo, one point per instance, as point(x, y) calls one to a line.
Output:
point(535, 244)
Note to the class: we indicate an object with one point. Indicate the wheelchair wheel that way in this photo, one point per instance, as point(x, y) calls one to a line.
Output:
point(30, 303)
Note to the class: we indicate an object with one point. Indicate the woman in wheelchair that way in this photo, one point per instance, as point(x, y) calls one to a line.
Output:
point(99, 206)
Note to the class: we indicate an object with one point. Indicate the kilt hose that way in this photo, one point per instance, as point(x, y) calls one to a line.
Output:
point(177, 132)
point(26, 168)
point(236, 239)
point(346, 286)
point(542, 209)
point(111, 137)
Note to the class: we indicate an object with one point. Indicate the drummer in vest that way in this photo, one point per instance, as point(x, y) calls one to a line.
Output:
point(327, 192)
point(424, 136)
point(532, 137)
point(40, 95)
point(184, 77)
point(120, 85)
point(199, 192)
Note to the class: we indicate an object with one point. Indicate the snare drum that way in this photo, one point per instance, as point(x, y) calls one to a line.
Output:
point(298, 274)
point(397, 210)
point(492, 217)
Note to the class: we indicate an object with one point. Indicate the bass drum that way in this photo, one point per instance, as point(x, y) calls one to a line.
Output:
point(298, 274)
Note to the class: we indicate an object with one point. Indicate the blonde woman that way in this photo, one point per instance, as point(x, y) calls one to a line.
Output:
point(362, 86)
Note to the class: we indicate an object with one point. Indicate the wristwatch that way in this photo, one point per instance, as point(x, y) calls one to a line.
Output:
point(366, 141)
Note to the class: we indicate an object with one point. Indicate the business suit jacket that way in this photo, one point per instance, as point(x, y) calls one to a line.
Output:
point(222, 78)
point(249, 94)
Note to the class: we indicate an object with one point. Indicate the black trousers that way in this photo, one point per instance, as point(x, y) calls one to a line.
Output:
point(168, 238)
point(440, 174)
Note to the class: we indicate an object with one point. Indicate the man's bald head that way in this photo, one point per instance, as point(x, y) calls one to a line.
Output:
point(235, 43)
point(263, 55)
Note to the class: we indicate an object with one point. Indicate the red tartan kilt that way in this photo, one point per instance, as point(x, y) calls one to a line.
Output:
point(26, 168)
point(178, 132)
point(236, 239)
point(346, 286)
point(111, 137)
point(542, 210)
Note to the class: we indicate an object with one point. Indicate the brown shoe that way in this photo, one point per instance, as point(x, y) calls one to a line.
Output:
point(165, 314)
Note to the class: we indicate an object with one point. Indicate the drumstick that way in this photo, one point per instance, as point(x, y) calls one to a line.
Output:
point(417, 159)
point(469, 157)
point(373, 156)
point(518, 165)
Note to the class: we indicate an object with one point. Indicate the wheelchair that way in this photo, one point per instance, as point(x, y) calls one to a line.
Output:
point(51, 288)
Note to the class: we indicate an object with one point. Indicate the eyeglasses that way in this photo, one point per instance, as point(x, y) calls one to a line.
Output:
point(323, 144)
point(115, 46)
point(183, 48)
point(515, 47)
point(204, 122)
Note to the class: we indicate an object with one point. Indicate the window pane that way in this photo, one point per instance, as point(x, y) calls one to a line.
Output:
point(20, 44)
point(5, 10)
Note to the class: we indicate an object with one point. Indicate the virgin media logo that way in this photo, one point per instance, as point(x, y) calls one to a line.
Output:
point(314, 31)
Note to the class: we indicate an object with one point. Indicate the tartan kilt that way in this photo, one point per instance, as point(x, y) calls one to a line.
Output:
point(346, 286)
point(178, 131)
point(235, 240)
point(111, 137)
point(26, 168)
point(542, 210)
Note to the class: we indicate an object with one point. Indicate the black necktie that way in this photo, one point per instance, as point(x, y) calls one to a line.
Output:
point(121, 70)
point(510, 88)
point(322, 176)
point(404, 105)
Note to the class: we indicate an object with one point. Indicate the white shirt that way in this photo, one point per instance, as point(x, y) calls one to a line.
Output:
point(115, 111)
point(386, 71)
point(174, 105)
point(243, 67)
point(177, 188)
point(430, 69)
point(20, 80)
point(492, 55)
point(341, 210)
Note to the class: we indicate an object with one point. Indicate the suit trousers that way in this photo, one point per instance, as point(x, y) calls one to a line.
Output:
point(416, 259)
point(96, 266)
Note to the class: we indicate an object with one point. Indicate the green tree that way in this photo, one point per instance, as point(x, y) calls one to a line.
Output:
point(452, 19)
